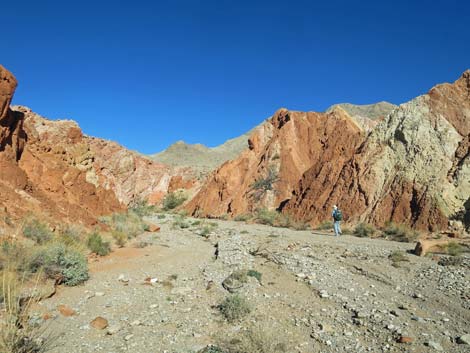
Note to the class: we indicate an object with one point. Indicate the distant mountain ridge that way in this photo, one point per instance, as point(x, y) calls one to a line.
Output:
point(199, 157)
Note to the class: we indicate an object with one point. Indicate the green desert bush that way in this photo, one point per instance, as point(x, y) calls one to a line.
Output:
point(400, 232)
point(97, 245)
point(120, 238)
point(265, 216)
point(60, 262)
point(264, 184)
point(71, 234)
point(173, 200)
point(454, 249)
point(142, 208)
point(37, 231)
point(129, 223)
point(180, 222)
point(397, 256)
point(234, 308)
point(364, 230)
point(255, 274)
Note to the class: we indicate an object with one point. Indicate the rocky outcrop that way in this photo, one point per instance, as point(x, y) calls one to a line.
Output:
point(413, 167)
point(280, 152)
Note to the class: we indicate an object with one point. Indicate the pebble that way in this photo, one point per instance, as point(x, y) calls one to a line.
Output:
point(465, 339)
point(433, 345)
point(128, 337)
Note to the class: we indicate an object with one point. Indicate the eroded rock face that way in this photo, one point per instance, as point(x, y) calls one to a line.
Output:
point(413, 167)
point(280, 152)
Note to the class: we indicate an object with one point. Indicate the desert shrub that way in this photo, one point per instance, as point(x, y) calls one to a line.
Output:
point(265, 216)
point(397, 257)
point(242, 217)
point(141, 208)
point(205, 231)
point(173, 200)
point(264, 184)
point(234, 307)
point(400, 232)
point(196, 223)
point(161, 216)
point(97, 245)
point(180, 222)
point(212, 349)
point(454, 249)
point(120, 238)
point(17, 333)
point(60, 262)
point(14, 255)
point(71, 234)
point(35, 230)
point(364, 230)
point(325, 225)
point(255, 274)
point(129, 223)
point(255, 340)
point(244, 232)
point(347, 231)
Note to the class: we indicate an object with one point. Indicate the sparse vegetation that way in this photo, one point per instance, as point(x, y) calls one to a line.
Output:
point(242, 217)
point(265, 216)
point(454, 248)
point(397, 257)
point(254, 340)
point(264, 184)
point(141, 208)
point(37, 231)
point(120, 238)
point(60, 262)
point(364, 230)
point(97, 245)
point(181, 222)
point(400, 232)
point(325, 225)
point(234, 308)
point(255, 274)
point(129, 223)
point(17, 333)
point(173, 200)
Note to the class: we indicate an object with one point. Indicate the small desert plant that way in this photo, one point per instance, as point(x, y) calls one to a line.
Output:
point(255, 340)
point(120, 238)
point(397, 257)
point(17, 334)
point(35, 230)
point(265, 216)
point(400, 232)
point(325, 225)
point(264, 184)
point(60, 262)
point(180, 222)
point(196, 223)
point(173, 200)
point(161, 216)
point(255, 274)
point(454, 249)
point(129, 223)
point(71, 234)
point(242, 217)
point(363, 230)
point(234, 307)
point(141, 208)
point(97, 245)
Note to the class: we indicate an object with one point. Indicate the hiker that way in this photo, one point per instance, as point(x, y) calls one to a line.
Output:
point(337, 218)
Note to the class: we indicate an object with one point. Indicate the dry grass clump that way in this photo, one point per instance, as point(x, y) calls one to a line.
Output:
point(365, 230)
point(17, 333)
point(234, 308)
point(325, 225)
point(400, 232)
point(254, 340)
point(173, 200)
point(129, 223)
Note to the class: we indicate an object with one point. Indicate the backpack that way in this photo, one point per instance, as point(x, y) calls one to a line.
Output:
point(338, 215)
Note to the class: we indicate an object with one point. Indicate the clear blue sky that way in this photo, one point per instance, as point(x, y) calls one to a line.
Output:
point(149, 73)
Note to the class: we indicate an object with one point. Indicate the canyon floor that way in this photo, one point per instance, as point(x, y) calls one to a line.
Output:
point(317, 293)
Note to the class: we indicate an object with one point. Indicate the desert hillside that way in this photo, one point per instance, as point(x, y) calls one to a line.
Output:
point(411, 166)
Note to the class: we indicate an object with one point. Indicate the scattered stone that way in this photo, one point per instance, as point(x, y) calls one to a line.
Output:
point(433, 345)
point(153, 228)
point(65, 310)
point(405, 339)
point(122, 278)
point(465, 339)
point(128, 337)
point(112, 330)
point(99, 294)
point(99, 323)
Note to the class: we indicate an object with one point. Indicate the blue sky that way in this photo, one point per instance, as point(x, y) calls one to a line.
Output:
point(149, 73)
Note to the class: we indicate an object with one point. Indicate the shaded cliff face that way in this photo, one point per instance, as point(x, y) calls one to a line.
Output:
point(413, 167)
point(280, 152)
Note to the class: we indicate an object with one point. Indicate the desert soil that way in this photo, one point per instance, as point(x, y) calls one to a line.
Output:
point(318, 293)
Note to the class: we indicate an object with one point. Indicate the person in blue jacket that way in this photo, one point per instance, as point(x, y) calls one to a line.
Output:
point(337, 218)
